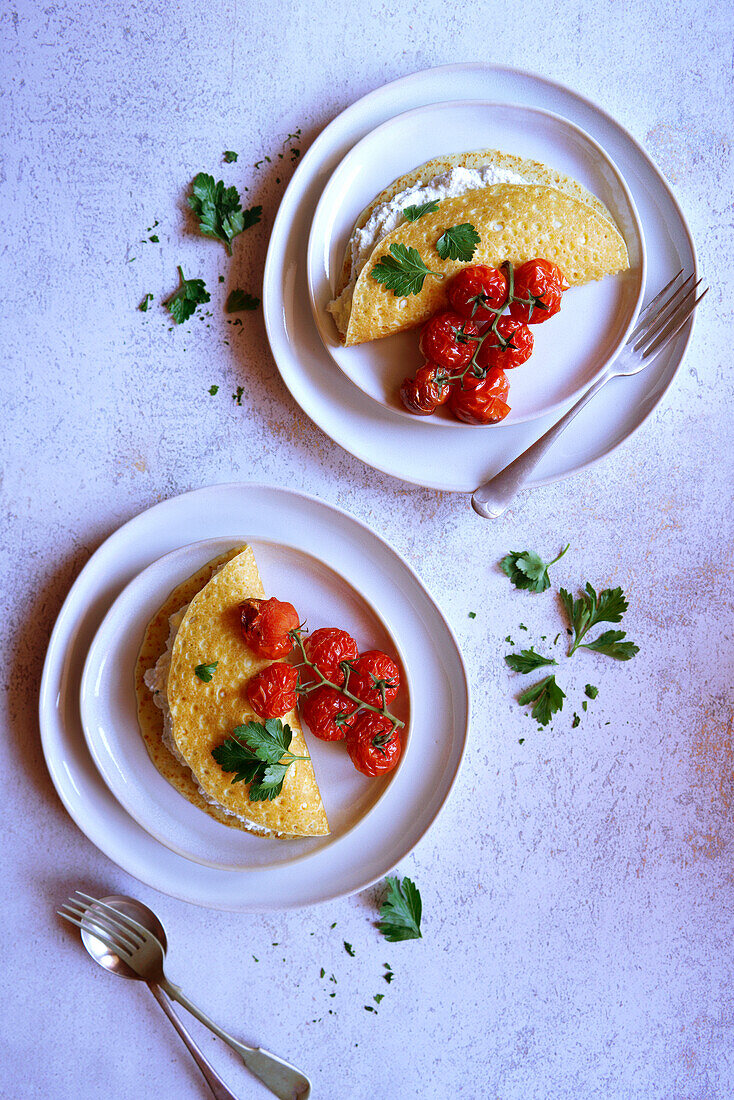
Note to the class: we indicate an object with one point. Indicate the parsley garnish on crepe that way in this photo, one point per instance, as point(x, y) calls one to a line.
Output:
point(259, 754)
point(588, 610)
point(546, 697)
point(205, 672)
point(219, 210)
point(526, 569)
point(403, 272)
point(401, 912)
point(458, 243)
point(413, 213)
point(182, 304)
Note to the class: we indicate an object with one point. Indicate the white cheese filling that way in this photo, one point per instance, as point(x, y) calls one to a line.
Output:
point(389, 215)
point(156, 680)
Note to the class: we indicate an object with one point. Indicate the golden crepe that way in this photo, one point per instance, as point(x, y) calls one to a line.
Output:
point(185, 718)
point(521, 209)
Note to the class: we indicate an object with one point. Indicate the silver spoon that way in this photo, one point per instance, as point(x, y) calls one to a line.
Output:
point(286, 1080)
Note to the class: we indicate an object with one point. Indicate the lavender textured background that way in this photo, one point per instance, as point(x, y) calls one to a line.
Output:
point(578, 887)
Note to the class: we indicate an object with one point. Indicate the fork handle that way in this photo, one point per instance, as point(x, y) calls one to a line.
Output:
point(212, 1078)
point(283, 1079)
point(494, 497)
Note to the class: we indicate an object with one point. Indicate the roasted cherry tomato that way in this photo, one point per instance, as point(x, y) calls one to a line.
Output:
point(371, 670)
point(542, 280)
point(327, 647)
point(481, 400)
point(423, 394)
point(518, 351)
point(445, 339)
point(373, 745)
point(265, 626)
point(272, 691)
point(329, 713)
point(476, 291)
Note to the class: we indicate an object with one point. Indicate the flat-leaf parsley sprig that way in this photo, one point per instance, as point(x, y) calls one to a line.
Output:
point(259, 754)
point(459, 242)
point(527, 660)
point(183, 302)
point(403, 272)
point(526, 569)
point(589, 610)
point(547, 699)
point(402, 911)
point(219, 210)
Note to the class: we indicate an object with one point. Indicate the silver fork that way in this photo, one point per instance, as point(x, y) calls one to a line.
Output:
point(143, 952)
point(659, 322)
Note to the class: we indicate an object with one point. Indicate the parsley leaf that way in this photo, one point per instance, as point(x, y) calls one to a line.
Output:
point(212, 390)
point(527, 660)
point(589, 610)
point(378, 997)
point(546, 697)
point(348, 948)
point(219, 210)
point(576, 721)
point(205, 672)
point(259, 755)
point(229, 156)
point(240, 300)
point(403, 272)
point(413, 213)
point(526, 569)
point(183, 302)
point(401, 912)
point(143, 307)
point(591, 691)
point(458, 243)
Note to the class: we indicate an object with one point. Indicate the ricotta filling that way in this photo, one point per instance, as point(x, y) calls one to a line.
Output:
point(388, 215)
point(156, 680)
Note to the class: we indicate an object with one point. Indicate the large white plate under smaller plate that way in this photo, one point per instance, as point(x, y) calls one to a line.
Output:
point(573, 348)
point(109, 718)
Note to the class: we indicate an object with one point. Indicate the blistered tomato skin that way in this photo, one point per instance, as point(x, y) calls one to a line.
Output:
point(272, 691)
point(422, 394)
point(371, 670)
point(327, 648)
point(265, 626)
point(329, 714)
point(446, 340)
point(481, 400)
point(541, 279)
point(471, 282)
point(373, 745)
point(521, 340)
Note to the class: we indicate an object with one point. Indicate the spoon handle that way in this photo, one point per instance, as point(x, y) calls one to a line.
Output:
point(213, 1080)
point(283, 1079)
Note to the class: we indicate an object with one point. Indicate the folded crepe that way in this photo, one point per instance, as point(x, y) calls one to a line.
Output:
point(185, 718)
point(521, 210)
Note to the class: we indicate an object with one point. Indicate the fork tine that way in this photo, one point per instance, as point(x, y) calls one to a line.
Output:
point(656, 303)
point(133, 927)
point(665, 313)
point(101, 934)
point(675, 325)
point(103, 921)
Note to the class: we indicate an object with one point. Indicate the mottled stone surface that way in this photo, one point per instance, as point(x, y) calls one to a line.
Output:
point(578, 887)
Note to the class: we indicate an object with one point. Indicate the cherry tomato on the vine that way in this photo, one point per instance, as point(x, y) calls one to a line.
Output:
point(446, 339)
point(471, 282)
point(423, 394)
point(328, 713)
point(272, 691)
point(538, 279)
point(373, 670)
point(327, 647)
point(520, 349)
point(373, 745)
point(481, 400)
point(265, 626)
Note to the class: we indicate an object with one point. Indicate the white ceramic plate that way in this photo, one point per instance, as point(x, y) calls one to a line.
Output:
point(437, 455)
point(324, 596)
point(570, 351)
point(438, 693)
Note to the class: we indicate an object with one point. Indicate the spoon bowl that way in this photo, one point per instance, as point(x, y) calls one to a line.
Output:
point(129, 907)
